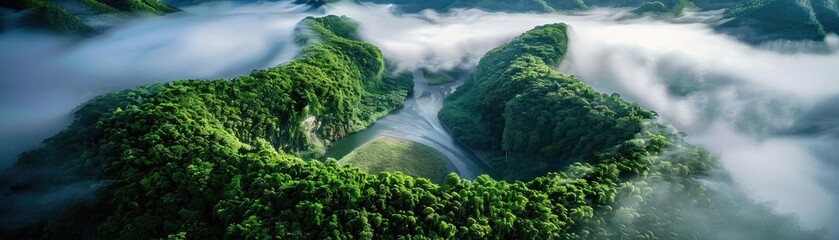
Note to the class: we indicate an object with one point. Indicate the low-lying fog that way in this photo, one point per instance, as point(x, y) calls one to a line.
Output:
point(769, 113)
point(44, 77)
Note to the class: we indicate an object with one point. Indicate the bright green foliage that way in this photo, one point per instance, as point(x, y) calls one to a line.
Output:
point(533, 118)
point(623, 175)
point(388, 154)
point(174, 146)
point(199, 159)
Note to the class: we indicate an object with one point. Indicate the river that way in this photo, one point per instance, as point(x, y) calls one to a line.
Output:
point(417, 121)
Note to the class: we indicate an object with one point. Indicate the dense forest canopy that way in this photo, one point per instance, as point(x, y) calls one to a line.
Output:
point(197, 159)
point(532, 118)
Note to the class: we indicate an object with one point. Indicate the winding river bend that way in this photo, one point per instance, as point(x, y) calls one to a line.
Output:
point(417, 121)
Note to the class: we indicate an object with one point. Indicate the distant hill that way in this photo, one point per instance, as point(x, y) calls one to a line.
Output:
point(764, 20)
point(65, 16)
point(752, 21)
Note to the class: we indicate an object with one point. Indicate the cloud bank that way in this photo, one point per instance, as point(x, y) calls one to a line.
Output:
point(44, 77)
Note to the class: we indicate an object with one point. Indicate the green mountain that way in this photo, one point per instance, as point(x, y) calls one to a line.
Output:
point(66, 16)
point(532, 119)
point(762, 20)
point(198, 159)
point(175, 148)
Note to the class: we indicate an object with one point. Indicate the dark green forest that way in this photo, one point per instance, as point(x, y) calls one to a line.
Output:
point(762, 20)
point(199, 159)
point(532, 119)
point(58, 17)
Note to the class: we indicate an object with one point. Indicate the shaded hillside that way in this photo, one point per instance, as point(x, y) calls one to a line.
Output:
point(752, 21)
point(763, 20)
point(66, 16)
point(532, 118)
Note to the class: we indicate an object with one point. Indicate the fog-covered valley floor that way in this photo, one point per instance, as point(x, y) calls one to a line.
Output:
point(768, 112)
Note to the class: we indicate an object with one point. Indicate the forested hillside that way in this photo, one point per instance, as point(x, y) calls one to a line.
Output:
point(66, 16)
point(641, 180)
point(532, 119)
point(761, 20)
point(200, 159)
point(176, 145)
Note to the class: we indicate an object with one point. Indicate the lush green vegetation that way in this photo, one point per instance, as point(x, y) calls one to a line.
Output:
point(437, 77)
point(531, 117)
point(221, 159)
point(387, 154)
point(50, 15)
point(156, 138)
point(640, 178)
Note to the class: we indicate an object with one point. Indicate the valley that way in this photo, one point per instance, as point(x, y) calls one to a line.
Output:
point(418, 121)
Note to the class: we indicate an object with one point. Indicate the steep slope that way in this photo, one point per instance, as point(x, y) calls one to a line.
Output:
point(164, 137)
point(210, 159)
point(763, 20)
point(528, 116)
point(641, 179)
point(827, 12)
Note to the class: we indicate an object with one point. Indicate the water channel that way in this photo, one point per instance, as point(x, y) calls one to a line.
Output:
point(417, 121)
